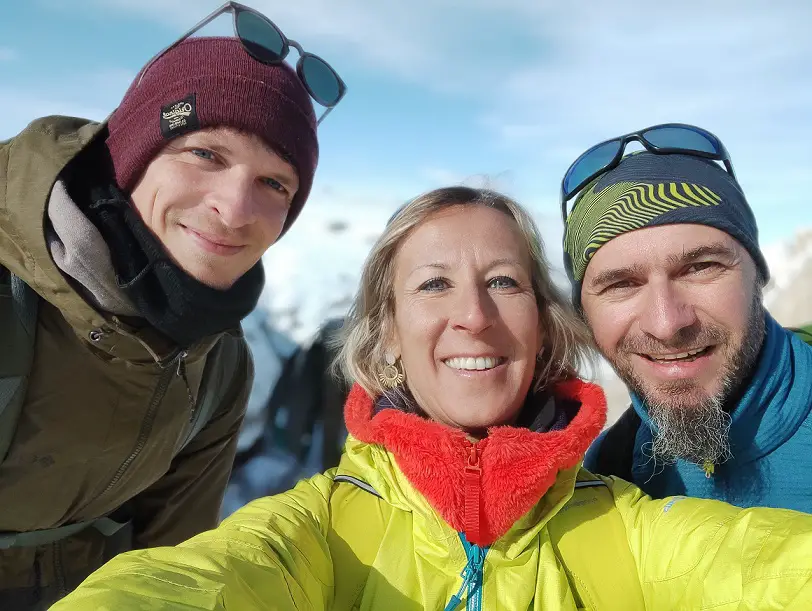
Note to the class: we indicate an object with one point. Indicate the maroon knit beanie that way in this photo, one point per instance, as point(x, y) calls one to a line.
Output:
point(208, 82)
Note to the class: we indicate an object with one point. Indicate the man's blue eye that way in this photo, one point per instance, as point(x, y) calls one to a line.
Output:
point(203, 153)
point(274, 184)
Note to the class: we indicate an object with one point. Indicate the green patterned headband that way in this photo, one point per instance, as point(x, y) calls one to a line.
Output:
point(625, 206)
point(648, 190)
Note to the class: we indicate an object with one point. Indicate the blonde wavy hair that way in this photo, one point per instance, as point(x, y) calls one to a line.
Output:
point(369, 325)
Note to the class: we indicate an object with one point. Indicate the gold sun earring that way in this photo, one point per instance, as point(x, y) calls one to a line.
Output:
point(391, 376)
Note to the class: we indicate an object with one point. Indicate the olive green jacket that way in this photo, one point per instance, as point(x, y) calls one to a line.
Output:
point(106, 404)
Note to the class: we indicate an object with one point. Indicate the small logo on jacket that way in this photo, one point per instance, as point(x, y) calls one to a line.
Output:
point(180, 117)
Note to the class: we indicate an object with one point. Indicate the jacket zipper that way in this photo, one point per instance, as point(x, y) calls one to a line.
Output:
point(146, 426)
point(471, 574)
point(182, 375)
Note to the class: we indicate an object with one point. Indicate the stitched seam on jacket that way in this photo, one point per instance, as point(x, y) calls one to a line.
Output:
point(359, 591)
point(787, 573)
point(297, 507)
point(791, 572)
point(586, 593)
point(126, 573)
point(264, 552)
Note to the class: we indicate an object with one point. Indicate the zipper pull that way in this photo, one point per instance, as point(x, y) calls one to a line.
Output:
point(182, 363)
point(473, 477)
point(471, 577)
point(456, 600)
point(476, 565)
point(181, 373)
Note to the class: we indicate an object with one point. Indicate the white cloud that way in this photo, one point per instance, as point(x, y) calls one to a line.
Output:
point(578, 69)
point(738, 68)
point(723, 61)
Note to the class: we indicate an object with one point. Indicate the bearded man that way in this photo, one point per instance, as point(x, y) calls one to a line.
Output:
point(662, 249)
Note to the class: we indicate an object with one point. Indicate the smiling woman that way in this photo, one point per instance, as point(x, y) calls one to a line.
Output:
point(476, 317)
point(461, 479)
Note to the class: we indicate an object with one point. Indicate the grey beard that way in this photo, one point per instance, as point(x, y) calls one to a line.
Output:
point(698, 434)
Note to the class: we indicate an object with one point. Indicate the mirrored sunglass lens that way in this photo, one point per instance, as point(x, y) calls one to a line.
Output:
point(681, 138)
point(593, 161)
point(321, 80)
point(261, 39)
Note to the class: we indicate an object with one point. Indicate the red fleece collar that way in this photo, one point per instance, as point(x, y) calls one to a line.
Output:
point(517, 465)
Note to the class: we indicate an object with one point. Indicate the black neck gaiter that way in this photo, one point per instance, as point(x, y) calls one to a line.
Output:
point(169, 299)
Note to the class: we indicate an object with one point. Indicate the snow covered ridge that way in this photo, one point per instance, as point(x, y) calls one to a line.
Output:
point(786, 259)
point(312, 274)
point(788, 295)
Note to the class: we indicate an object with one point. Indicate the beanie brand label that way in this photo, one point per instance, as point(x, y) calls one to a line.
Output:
point(180, 117)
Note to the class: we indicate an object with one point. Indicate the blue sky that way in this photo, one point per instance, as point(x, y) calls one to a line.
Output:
point(507, 92)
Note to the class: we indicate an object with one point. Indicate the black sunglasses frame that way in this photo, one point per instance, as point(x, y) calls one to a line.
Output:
point(236, 8)
point(640, 136)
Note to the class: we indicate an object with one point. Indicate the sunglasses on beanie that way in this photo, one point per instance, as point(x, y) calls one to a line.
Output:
point(266, 43)
point(668, 138)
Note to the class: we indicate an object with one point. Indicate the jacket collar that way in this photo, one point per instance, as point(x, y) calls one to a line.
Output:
point(518, 466)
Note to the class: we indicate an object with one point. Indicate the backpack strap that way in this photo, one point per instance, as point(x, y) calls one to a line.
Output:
point(106, 526)
point(19, 306)
point(589, 537)
point(805, 333)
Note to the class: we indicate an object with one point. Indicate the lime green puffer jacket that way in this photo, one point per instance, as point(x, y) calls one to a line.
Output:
point(383, 532)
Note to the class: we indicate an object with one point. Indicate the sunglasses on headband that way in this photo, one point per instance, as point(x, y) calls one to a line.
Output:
point(266, 43)
point(664, 139)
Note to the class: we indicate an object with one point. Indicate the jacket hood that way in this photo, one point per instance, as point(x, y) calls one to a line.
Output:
point(30, 167)
point(518, 466)
point(36, 159)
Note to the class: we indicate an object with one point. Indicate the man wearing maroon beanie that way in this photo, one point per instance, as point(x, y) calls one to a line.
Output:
point(130, 251)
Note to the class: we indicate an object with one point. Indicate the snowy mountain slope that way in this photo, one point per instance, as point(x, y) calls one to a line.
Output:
point(312, 274)
point(789, 293)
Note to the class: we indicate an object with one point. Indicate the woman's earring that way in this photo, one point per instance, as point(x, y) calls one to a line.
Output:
point(391, 377)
